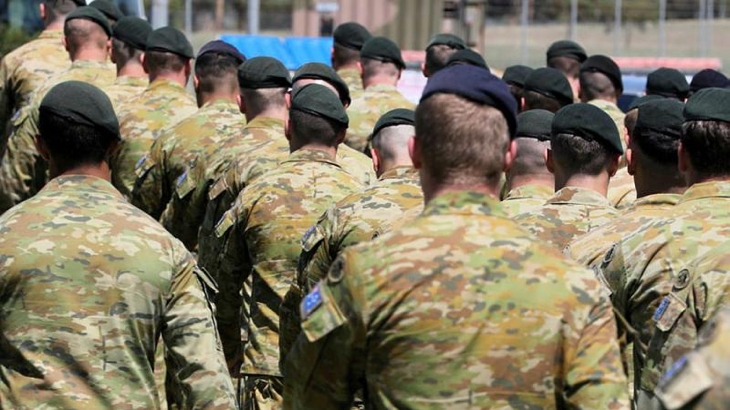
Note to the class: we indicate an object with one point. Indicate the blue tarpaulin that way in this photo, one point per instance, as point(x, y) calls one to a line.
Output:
point(293, 52)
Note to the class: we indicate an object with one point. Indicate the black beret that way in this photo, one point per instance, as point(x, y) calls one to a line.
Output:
point(447, 39)
point(667, 82)
point(535, 124)
point(589, 122)
point(133, 31)
point(606, 66)
point(567, 48)
point(467, 56)
point(221, 47)
point(108, 8)
point(399, 116)
point(708, 78)
point(320, 101)
point(263, 72)
point(351, 35)
point(476, 84)
point(550, 82)
point(516, 75)
point(383, 49)
point(319, 71)
point(170, 40)
point(641, 100)
point(91, 106)
point(664, 115)
point(91, 14)
point(709, 104)
point(79, 3)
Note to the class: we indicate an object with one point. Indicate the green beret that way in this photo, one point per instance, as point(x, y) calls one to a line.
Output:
point(467, 56)
point(91, 14)
point(263, 72)
point(171, 40)
point(90, 106)
point(550, 82)
point(589, 122)
point(319, 71)
point(447, 39)
point(133, 31)
point(399, 116)
point(606, 66)
point(708, 104)
point(319, 100)
point(79, 3)
point(383, 49)
point(516, 75)
point(664, 116)
point(535, 124)
point(109, 9)
point(351, 35)
point(567, 48)
point(667, 82)
point(641, 100)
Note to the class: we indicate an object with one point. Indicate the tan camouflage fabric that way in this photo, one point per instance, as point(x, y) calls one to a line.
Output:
point(90, 284)
point(177, 148)
point(352, 78)
point(569, 213)
point(460, 308)
point(126, 88)
point(526, 198)
point(621, 189)
point(141, 121)
point(366, 109)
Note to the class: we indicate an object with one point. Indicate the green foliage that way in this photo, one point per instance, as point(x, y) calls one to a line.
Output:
point(12, 38)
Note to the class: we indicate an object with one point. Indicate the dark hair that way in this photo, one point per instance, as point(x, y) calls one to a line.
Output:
point(595, 85)
point(124, 52)
point(372, 68)
point(708, 145)
point(59, 8)
point(661, 147)
point(344, 55)
point(534, 100)
point(578, 155)
point(159, 62)
point(313, 129)
point(72, 144)
point(437, 56)
point(217, 71)
point(566, 65)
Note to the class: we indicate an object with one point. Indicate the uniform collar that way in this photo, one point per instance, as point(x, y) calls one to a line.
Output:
point(702, 190)
point(348, 71)
point(50, 34)
point(88, 64)
point(401, 172)
point(132, 81)
point(657, 200)
point(265, 122)
point(311, 155)
point(605, 105)
point(464, 203)
point(530, 191)
point(81, 183)
point(380, 88)
point(164, 85)
point(221, 105)
point(578, 196)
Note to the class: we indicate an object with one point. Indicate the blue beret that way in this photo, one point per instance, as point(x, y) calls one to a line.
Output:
point(221, 47)
point(476, 84)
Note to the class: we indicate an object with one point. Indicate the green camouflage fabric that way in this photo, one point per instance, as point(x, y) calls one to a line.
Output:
point(460, 308)
point(352, 78)
point(366, 109)
point(141, 121)
point(621, 189)
point(571, 212)
point(23, 172)
point(178, 147)
point(616, 115)
point(124, 89)
point(90, 283)
point(526, 198)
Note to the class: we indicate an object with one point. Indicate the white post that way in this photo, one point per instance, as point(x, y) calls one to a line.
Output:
point(254, 8)
point(159, 16)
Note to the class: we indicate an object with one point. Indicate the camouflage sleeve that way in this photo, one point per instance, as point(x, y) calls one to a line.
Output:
point(23, 172)
point(148, 192)
point(316, 257)
point(184, 213)
point(6, 106)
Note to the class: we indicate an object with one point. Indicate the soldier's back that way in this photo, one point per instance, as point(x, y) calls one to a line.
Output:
point(621, 189)
point(527, 198)
point(352, 78)
point(125, 88)
point(367, 107)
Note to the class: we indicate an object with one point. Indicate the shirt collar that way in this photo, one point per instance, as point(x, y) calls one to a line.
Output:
point(165, 85)
point(530, 191)
point(605, 105)
point(464, 203)
point(50, 34)
point(381, 88)
point(311, 155)
point(712, 189)
point(88, 64)
point(578, 196)
point(81, 183)
point(221, 104)
point(657, 200)
point(265, 122)
point(401, 172)
point(133, 81)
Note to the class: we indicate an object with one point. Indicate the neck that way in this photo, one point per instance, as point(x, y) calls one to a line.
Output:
point(597, 183)
point(613, 100)
point(89, 54)
point(96, 170)
point(377, 80)
point(432, 189)
point(279, 113)
point(387, 165)
point(55, 25)
point(668, 182)
point(131, 70)
point(331, 151)
point(694, 178)
point(179, 78)
point(205, 98)
point(516, 181)
point(348, 66)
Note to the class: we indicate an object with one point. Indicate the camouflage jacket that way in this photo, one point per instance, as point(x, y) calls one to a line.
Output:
point(526, 198)
point(621, 189)
point(352, 78)
point(178, 147)
point(459, 308)
point(124, 89)
point(91, 284)
point(141, 121)
point(262, 234)
point(571, 212)
point(366, 109)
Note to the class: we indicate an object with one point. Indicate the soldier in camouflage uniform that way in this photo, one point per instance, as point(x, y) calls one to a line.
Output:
point(566, 56)
point(584, 152)
point(218, 119)
point(163, 104)
point(348, 40)
point(439, 49)
point(382, 65)
point(433, 315)
point(129, 40)
point(547, 89)
point(88, 299)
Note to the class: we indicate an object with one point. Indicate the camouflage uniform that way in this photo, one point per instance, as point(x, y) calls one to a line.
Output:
point(141, 121)
point(367, 108)
point(352, 78)
point(178, 147)
point(126, 88)
point(87, 299)
point(458, 309)
point(526, 198)
point(621, 189)
point(569, 213)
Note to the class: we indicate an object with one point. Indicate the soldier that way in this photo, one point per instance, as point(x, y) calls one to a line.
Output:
point(108, 9)
point(467, 56)
point(439, 49)
point(449, 329)
point(707, 78)
point(382, 66)
point(348, 40)
point(91, 296)
point(567, 56)
point(667, 83)
point(547, 89)
point(218, 119)
point(584, 151)
point(129, 40)
point(529, 182)
point(262, 234)
point(515, 76)
point(163, 104)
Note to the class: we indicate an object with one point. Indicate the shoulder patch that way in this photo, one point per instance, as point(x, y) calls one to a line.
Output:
point(670, 309)
point(224, 224)
point(184, 185)
point(684, 381)
point(140, 162)
point(320, 313)
point(311, 302)
point(218, 188)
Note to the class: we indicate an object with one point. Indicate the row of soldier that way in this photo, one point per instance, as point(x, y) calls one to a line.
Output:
point(327, 275)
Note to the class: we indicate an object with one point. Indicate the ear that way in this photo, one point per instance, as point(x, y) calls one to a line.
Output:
point(549, 161)
point(42, 10)
point(684, 163)
point(509, 156)
point(629, 154)
point(41, 147)
point(423, 69)
point(145, 66)
point(287, 129)
point(65, 43)
point(400, 73)
point(287, 99)
point(522, 107)
point(375, 155)
point(188, 68)
point(613, 165)
point(241, 104)
point(109, 48)
point(196, 81)
point(414, 150)
point(341, 136)
point(359, 68)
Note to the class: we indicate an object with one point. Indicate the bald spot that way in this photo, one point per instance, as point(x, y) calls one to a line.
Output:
point(84, 34)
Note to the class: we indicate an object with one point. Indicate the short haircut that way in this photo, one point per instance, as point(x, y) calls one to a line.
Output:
point(372, 68)
point(660, 147)
point(124, 53)
point(630, 120)
point(437, 56)
point(595, 86)
point(217, 72)
point(263, 99)
point(81, 33)
point(343, 56)
point(392, 142)
point(708, 145)
point(566, 65)
point(517, 92)
point(578, 155)
point(313, 129)
point(530, 158)
point(72, 144)
point(535, 100)
point(461, 141)
point(59, 8)
point(160, 62)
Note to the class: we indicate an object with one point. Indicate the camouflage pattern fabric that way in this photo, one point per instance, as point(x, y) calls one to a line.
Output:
point(526, 198)
point(178, 147)
point(621, 189)
point(90, 283)
point(571, 212)
point(141, 121)
point(366, 109)
point(352, 78)
point(618, 118)
point(458, 309)
point(124, 89)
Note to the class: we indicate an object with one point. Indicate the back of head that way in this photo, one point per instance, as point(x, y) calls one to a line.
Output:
point(533, 138)
point(467, 56)
point(86, 28)
point(324, 75)
point(129, 40)
point(168, 52)
point(547, 89)
point(317, 117)
point(600, 79)
point(706, 132)
point(348, 40)
point(566, 56)
point(57, 10)
point(439, 49)
point(381, 57)
point(392, 133)
point(658, 129)
point(667, 82)
point(515, 76)
point(708, 78)
point(264, 82)
point(216, 68)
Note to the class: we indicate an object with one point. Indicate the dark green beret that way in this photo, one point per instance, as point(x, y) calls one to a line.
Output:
point(447, 39)
point(567, 48)
point(383, 49)
point(708, 104)
point(667, 82)
point(319, 100)
point(399, 116)
point(263, 72)
point(535, 124)
point(589, 122)
point(606, 66)
point(467, 56)
point(516, 75)
point(550, 82)
point(171, 40)
point(133, 31)
point(641, 100)
point(90, 106)
point(351, 35)
point(79, 3)
point(319, 71)
point(91, 14)
point(108, 8)
point(661, 115)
